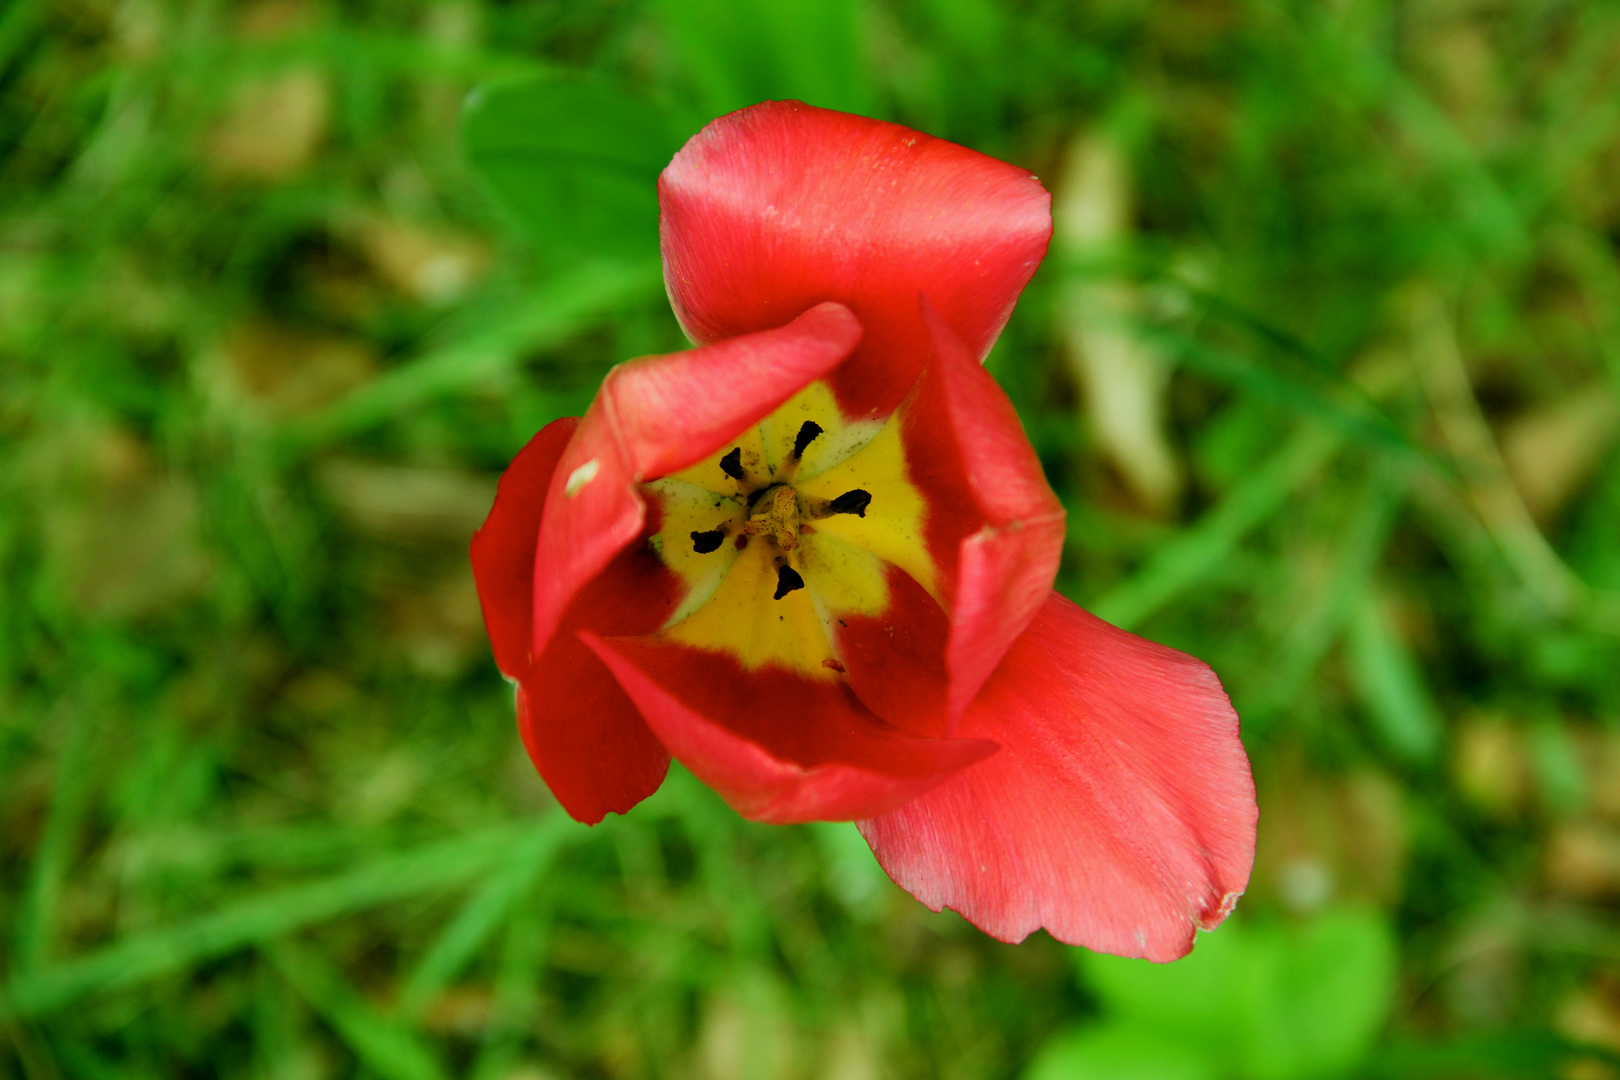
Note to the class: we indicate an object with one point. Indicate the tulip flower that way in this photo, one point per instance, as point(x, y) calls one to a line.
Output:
point(812, 559)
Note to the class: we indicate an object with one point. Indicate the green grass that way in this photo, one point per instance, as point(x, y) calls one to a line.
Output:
point(270, 326)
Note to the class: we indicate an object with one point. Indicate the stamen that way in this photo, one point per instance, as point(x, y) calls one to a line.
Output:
point(731, 464)
point(787, 579)
point(705, 542)
point(851, 502)
point(807, 435)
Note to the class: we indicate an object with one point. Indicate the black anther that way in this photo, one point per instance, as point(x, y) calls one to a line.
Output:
point(807, 435)
point(787, 579)
point(705, 542)
point(851, 502)
point(731, 464)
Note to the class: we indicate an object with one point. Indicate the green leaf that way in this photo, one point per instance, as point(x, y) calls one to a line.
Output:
point(1202, 1002)
point(1266, 1002)
point(574, 160)
point(1335, 986)
point(1391, 685)
point(1118, 1052)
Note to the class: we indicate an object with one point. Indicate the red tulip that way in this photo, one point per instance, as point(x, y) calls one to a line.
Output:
point(812, 559)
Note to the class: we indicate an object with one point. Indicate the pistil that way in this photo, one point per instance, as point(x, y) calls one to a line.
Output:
point(776, 517)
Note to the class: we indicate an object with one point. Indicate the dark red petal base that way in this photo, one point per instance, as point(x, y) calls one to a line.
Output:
point(776, 746)
point(584, 735)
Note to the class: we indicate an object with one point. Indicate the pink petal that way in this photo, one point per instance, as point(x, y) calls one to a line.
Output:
point(1119, 813)
point(782, 205)
point(656, 416)
point(995, 528)
point(778, 747)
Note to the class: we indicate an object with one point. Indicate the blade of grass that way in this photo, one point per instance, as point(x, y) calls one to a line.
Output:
point(389, 1049)
point(20, 21)
point(269, 914)
point(563, 308)
point(481, 915)
point(37, 921)
point(1364, 538)
point(1195, 554)
point(1391, 685)
point(523, 955)
point(32, 1058)
point(1300, 388)
point(207, 58)
point(1485, 480)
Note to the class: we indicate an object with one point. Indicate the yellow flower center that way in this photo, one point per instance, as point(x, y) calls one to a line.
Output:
point(787, 530)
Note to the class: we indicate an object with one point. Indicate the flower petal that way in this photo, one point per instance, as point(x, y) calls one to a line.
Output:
point(1119, 813)
point(655, 416)
point(781, 205)
point(994, 525)
point(776, 746)
point(503, 548)
point(584, 735)
point(895, 659)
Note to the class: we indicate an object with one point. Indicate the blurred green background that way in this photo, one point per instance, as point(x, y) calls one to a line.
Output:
point(1325, 363)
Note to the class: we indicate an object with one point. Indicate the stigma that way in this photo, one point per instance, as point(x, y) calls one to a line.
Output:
point(776, 518)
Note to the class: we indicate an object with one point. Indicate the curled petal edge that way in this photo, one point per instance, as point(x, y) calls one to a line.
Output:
point(658, 415)
point(1005, 566)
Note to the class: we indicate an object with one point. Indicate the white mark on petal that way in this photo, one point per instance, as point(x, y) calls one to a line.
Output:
point(581, 476)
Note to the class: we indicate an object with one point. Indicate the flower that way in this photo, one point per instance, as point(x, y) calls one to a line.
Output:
point(812, 559)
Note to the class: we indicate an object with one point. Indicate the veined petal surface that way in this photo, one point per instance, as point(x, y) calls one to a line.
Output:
point(1119, 813)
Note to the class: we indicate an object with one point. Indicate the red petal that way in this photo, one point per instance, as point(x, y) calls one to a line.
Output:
point(995, 528)
point(778, 747)
point(584, 735)
point(503, 549)
point(895, 661)
point(1119, 814)
point(781, 205)
point(656, 416)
